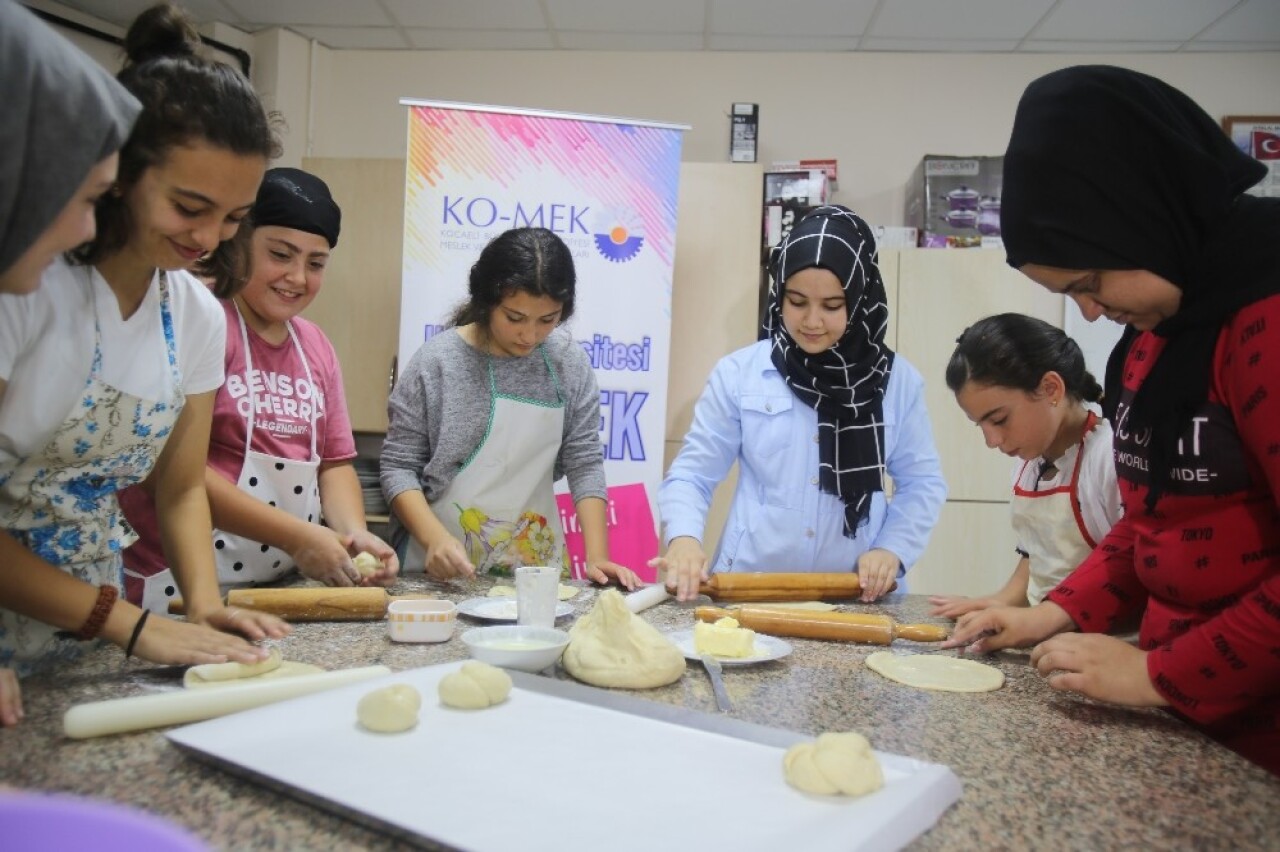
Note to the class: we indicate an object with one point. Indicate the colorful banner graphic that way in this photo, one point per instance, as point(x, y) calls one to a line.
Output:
point(608, 188)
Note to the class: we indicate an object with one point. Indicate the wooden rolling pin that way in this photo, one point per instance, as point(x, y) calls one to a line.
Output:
point(794, 586)
point(366, 603)
point(841, 626)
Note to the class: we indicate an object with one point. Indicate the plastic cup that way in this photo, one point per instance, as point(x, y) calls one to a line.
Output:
point(536, 587)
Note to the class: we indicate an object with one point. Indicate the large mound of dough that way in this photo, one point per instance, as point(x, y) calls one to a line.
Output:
point(390, 710)
point(612, 646)
point(936, 671)
point(834, 764)
point(475, 686)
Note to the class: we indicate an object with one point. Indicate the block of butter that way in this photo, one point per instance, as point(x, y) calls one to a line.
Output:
point(724, 639)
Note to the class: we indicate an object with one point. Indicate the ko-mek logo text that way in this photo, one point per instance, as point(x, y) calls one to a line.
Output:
point(480, 212)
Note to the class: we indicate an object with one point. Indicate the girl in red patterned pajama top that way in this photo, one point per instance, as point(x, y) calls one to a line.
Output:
point(1123, 194)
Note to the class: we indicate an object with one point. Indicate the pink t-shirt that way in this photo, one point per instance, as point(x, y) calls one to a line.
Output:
point(286, 404)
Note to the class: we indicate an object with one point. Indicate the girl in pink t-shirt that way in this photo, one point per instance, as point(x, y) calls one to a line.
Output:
point(281, 444)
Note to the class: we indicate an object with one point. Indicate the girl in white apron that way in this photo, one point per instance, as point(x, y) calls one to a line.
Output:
point(106, 376)
point(1024, 383)
point(488, 414)
point(281, 440)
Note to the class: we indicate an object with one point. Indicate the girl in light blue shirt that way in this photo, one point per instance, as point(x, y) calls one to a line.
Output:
point(816, 415)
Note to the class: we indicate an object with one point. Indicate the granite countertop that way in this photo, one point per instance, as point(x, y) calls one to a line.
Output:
point(1040, 769)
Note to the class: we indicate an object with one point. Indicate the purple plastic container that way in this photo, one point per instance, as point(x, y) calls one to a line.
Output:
point(42, 821)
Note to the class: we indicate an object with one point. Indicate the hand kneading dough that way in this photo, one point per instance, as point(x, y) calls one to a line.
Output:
point(232, 671)
point(475, 686)
point(367, 564)
point(390, 710)
point(834, 764)
point(611, 646)
point(934, 671)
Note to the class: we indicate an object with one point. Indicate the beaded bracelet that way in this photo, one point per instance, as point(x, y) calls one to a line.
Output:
point(137, 631)
point(98, 616)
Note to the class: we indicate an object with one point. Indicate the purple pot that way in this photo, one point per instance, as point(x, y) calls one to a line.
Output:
point(962, 218)
point(963, 198)
point(989, 217)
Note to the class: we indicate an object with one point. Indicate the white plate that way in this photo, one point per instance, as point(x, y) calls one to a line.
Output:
point(501, 609)
point(767, 649)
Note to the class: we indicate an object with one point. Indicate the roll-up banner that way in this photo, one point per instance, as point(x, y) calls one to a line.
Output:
point(607, 187)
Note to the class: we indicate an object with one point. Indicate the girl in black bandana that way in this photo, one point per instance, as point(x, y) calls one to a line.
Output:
point(1123, 194)
point(815, 415)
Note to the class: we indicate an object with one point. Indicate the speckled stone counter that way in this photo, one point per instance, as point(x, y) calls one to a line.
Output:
point(1040, 770)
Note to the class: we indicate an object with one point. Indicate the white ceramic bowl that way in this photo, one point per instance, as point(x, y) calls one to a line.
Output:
point(421, 620)
point(516, 646)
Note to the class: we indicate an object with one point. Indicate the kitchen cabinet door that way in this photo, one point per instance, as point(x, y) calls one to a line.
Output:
point(970, 552)
point(359, 306)
point(940, 292)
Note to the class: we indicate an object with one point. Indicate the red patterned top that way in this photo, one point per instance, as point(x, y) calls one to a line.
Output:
point(1206, 564)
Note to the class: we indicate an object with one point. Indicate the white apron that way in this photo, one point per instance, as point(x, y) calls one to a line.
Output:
point(501, 504)
point(1049, 524)
point(60, 501)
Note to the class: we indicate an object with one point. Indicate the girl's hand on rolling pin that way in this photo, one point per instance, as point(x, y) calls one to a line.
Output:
point(684, 566)
point(602, 571)
point(1101, 667)
point(446, 559)
point(877, 569)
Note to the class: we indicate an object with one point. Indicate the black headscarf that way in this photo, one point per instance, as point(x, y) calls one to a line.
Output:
point(845, 383)
point(1111, 169)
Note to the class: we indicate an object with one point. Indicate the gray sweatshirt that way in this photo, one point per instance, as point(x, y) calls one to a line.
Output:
point(439, 411)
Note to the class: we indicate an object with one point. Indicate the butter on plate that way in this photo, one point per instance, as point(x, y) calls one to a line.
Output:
point(724, 638)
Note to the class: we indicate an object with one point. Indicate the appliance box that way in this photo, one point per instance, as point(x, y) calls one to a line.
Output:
point(955, 201)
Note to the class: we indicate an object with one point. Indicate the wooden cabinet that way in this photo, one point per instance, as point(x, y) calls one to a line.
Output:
point(359, 306)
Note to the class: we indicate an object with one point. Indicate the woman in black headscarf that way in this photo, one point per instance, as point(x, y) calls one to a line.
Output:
point(65, 119)
point(815, 415)
point(1123, 194)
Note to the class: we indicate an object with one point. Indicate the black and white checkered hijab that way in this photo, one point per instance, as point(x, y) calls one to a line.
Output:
point(846, 383)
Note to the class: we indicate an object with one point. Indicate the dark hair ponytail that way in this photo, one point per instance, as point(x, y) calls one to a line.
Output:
point(186, 99)
point(1015, 351)
point(532, 260)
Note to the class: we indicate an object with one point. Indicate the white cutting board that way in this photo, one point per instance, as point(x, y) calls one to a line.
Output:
point(555, 771)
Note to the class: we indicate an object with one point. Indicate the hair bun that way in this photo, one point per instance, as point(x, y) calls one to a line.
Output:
point(164, 30)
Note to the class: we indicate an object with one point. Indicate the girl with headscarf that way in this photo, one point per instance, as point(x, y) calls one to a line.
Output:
point(281, 443)
point(816, 414)
point(108, 373)
point(1123, 194)
point(65, 119)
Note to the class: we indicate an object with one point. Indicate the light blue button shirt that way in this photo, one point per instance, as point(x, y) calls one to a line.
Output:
point(779, 519)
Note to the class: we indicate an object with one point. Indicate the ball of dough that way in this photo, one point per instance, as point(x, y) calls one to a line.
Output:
point(612, 646)
point(390, 710)
point(834, 764)
point(494, 681)
point(367, 564)
point(234, 671)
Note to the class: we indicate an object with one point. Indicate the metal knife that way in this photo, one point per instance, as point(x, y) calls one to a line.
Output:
point(712, 665)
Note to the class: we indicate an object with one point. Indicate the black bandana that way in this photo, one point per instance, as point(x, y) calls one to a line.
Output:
point(1111, 169)
point(292, 198)
point(846, 383)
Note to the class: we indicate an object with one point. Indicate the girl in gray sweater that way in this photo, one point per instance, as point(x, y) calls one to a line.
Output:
point(488, 414)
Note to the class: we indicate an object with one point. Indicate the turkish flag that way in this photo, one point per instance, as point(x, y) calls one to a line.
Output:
point(1266, 145)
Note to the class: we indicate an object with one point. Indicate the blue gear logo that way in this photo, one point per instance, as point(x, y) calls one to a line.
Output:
point(618, 239)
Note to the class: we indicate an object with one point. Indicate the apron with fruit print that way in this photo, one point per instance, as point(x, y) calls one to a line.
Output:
point(501, 504)
point(60, 501)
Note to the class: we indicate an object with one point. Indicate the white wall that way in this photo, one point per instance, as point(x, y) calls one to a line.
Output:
point(878, 113)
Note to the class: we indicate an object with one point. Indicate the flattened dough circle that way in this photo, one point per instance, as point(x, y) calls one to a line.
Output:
point(287, 668)
point(937, 672)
